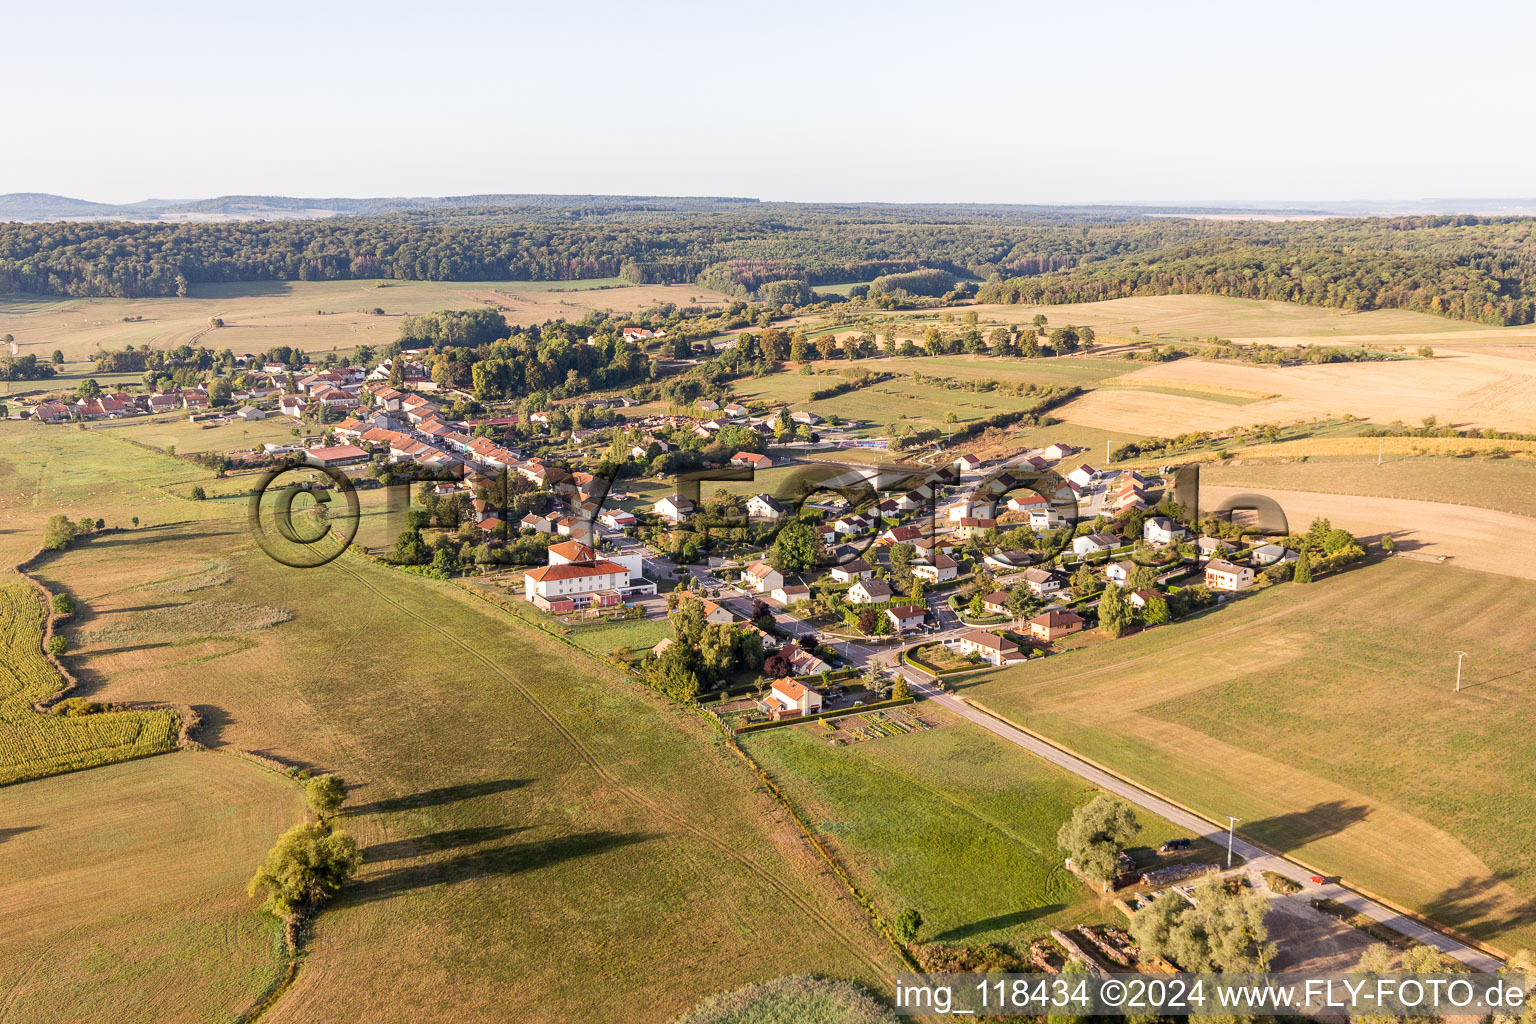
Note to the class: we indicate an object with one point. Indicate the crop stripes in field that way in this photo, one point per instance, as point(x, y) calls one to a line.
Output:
point(678, 821)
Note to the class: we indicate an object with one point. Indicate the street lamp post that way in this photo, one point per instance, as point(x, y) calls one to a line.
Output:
point(1231, 824)
point(1459, 655)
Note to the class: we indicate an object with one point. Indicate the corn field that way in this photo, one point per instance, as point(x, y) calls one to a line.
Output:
point(32, 744)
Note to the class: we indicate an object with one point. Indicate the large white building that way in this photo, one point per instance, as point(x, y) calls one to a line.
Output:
point(569, 586)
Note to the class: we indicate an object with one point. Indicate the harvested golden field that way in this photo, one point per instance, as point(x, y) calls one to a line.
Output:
point(1170, 317)
point(1151, 413)
point(124, 891)
point(1500, 484)
point(1459, 388)
point(1477, 538)
point(1335, 447)
point(316, 316)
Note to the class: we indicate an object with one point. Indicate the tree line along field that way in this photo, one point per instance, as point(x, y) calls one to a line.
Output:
point(489, 792)
point(1324, 717)
point(951, 821)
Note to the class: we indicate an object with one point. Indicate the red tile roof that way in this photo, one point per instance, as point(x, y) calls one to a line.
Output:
point(573, 571)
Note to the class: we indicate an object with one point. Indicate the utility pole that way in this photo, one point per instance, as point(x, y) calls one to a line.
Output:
point(1459, 655)
point(1231, 823)
point(1379, 446)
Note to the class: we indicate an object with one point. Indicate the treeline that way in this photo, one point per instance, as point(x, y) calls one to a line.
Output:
point(1470, 268)
point(556, 358)
point(26, 367)
point(927, 281)
point(1278, 355)
point(1466, 268)
point(846, 386)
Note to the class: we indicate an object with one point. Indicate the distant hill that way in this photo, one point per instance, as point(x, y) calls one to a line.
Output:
point(41, 206)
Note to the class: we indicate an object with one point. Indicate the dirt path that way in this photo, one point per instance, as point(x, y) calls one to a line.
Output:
point(1471, 538)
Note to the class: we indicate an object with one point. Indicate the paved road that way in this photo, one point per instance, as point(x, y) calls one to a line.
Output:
point(1255, 857)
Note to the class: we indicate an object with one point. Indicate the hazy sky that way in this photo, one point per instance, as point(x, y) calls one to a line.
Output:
point(957, 101)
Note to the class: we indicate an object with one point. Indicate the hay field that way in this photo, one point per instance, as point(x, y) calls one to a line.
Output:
point(1324, 717)
point(124, 891)
point(1170, 317)
point(48, 470)
point(952, 821)
point(499, 782)
point(1149, 413)
point(1503, 485)
point(1461, 388)
point(259, 315)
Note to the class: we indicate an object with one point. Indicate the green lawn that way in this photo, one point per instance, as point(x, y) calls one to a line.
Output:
point(952, 821)
point(188, 437)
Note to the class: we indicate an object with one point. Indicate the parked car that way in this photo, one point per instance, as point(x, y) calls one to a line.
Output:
point(1173, 844)
point(1317, 879)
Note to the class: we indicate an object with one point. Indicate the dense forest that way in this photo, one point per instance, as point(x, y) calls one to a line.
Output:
point(1472, 268)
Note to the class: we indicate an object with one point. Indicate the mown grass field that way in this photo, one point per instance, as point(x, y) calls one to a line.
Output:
point(316, 316)
point(794, 1001)
point(189, 437)
point(527, 817)
point(1080, 370)
point(1507, 485)
point(1324, 716)
point(124, 892)
point(33, 745)
point(48, 470)
point(952, 821)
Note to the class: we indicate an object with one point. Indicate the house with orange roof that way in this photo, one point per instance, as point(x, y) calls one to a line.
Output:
point(575, 585)
point(788, 698)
